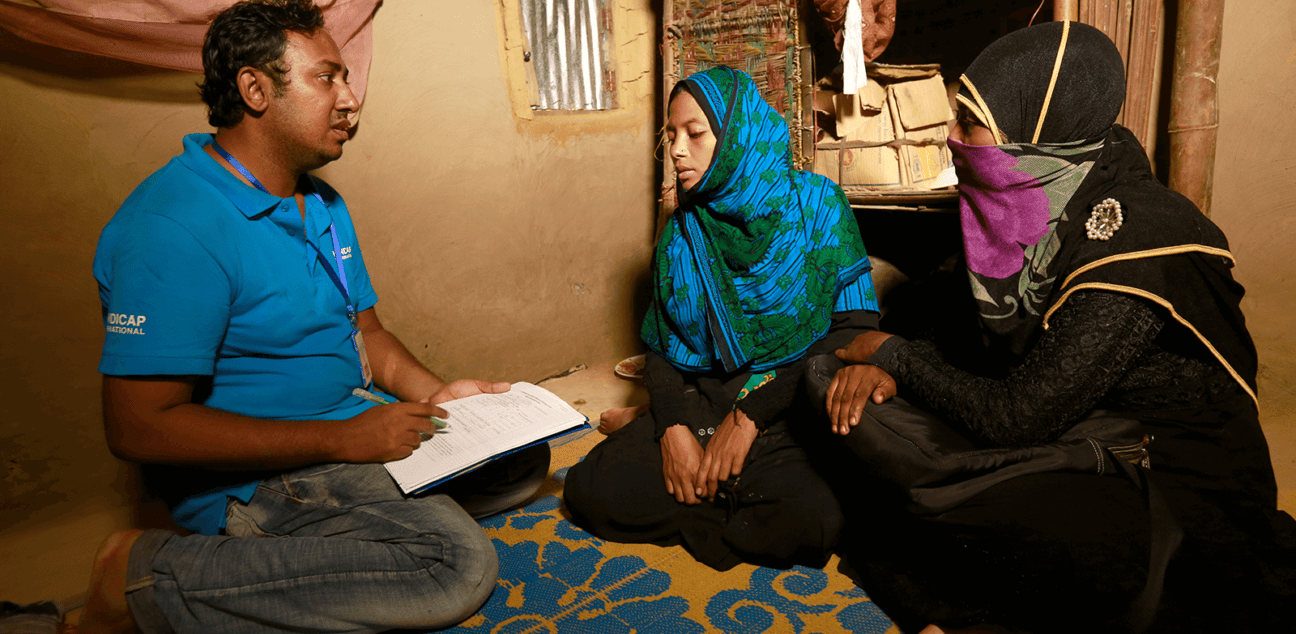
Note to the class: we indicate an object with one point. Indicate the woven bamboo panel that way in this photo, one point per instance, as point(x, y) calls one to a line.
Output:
point(1138, 29)
point(760, 37)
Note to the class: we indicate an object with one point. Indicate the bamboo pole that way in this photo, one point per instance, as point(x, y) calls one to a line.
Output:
point(1137, 28)
point(1143, 71)
point(1194, 106)
point(1066, 10)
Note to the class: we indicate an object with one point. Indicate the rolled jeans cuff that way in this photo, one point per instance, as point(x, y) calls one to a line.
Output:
point(140, 581)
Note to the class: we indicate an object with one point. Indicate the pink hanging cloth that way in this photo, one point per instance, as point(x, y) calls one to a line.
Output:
point(169, 33)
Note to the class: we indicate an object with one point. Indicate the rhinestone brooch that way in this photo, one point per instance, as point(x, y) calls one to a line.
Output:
point(1106, 218)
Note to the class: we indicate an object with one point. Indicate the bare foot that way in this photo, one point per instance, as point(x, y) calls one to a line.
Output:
point(106, 611)
point(615, 419)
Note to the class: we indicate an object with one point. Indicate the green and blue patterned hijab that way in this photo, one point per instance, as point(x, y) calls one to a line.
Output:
point(757, 258)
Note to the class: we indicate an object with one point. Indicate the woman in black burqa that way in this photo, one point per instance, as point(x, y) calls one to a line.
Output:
point(1089, 286)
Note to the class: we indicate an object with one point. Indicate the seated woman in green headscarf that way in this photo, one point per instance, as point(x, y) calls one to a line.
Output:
point(760, 265)
point(1089, 286)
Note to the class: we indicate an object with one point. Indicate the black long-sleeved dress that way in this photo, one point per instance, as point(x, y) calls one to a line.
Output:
point(1027, 552)
point(779, 511)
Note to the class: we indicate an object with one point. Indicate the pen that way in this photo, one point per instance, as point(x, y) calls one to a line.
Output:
point(370, 396)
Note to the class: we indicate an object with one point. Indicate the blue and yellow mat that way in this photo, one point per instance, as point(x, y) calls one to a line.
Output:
point(556, 578)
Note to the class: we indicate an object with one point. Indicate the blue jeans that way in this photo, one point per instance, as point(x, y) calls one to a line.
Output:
point(332, 548)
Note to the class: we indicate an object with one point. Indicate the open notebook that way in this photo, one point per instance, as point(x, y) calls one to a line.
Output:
point(485, 427)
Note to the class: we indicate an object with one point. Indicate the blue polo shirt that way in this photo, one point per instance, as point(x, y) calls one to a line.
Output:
point(200, 274)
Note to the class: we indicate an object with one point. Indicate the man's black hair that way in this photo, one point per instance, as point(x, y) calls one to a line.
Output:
point(251, 33)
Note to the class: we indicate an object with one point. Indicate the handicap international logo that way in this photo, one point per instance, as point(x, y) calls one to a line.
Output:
point(124, 324)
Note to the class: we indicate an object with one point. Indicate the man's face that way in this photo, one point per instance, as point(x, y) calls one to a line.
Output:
point(312, 114)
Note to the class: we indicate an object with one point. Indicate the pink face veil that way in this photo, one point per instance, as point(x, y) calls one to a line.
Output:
point(1012, 196)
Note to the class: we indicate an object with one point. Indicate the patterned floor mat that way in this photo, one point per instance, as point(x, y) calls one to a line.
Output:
point(556, 578)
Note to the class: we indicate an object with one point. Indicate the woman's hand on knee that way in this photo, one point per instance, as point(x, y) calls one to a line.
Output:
point(681, 456)
point(851, 390)
point(725, 453)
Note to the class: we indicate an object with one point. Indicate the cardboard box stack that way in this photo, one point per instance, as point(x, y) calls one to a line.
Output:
point(891, 135)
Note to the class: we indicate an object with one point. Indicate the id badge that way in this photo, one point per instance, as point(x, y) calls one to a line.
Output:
point(357, 342)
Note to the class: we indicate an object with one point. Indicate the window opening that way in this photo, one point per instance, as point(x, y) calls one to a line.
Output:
point(571, 54)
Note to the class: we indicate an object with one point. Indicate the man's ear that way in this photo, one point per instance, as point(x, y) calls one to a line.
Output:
point(254, 87)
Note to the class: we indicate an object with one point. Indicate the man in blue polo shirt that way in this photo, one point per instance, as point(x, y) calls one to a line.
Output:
point(239, 318)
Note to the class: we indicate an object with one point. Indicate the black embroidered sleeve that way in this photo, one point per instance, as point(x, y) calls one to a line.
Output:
point(765, 404)
point(1092, 342)
point(666, 394)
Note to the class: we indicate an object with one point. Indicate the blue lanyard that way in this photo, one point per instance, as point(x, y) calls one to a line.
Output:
point(340, 281)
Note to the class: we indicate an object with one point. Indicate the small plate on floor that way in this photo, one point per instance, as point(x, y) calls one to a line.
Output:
point(631, 368)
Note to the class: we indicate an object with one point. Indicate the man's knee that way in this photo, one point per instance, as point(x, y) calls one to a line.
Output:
point(501, 485)
point(456, 585)
point(475, 581)
point(529, 469)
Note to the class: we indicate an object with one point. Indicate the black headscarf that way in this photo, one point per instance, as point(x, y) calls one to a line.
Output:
point(1051, 173)
point(1013, 76)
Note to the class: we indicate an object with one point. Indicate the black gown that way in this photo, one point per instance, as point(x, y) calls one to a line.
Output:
point(778, 512)
point(1066, 551)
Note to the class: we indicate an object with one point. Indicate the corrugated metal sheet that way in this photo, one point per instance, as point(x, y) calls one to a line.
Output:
point(571, 53)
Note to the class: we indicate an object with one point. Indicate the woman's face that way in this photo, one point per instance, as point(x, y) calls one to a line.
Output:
point(968, 131)
point(690, 141)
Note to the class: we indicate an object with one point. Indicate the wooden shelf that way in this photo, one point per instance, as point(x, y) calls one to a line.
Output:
point(937, 200)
